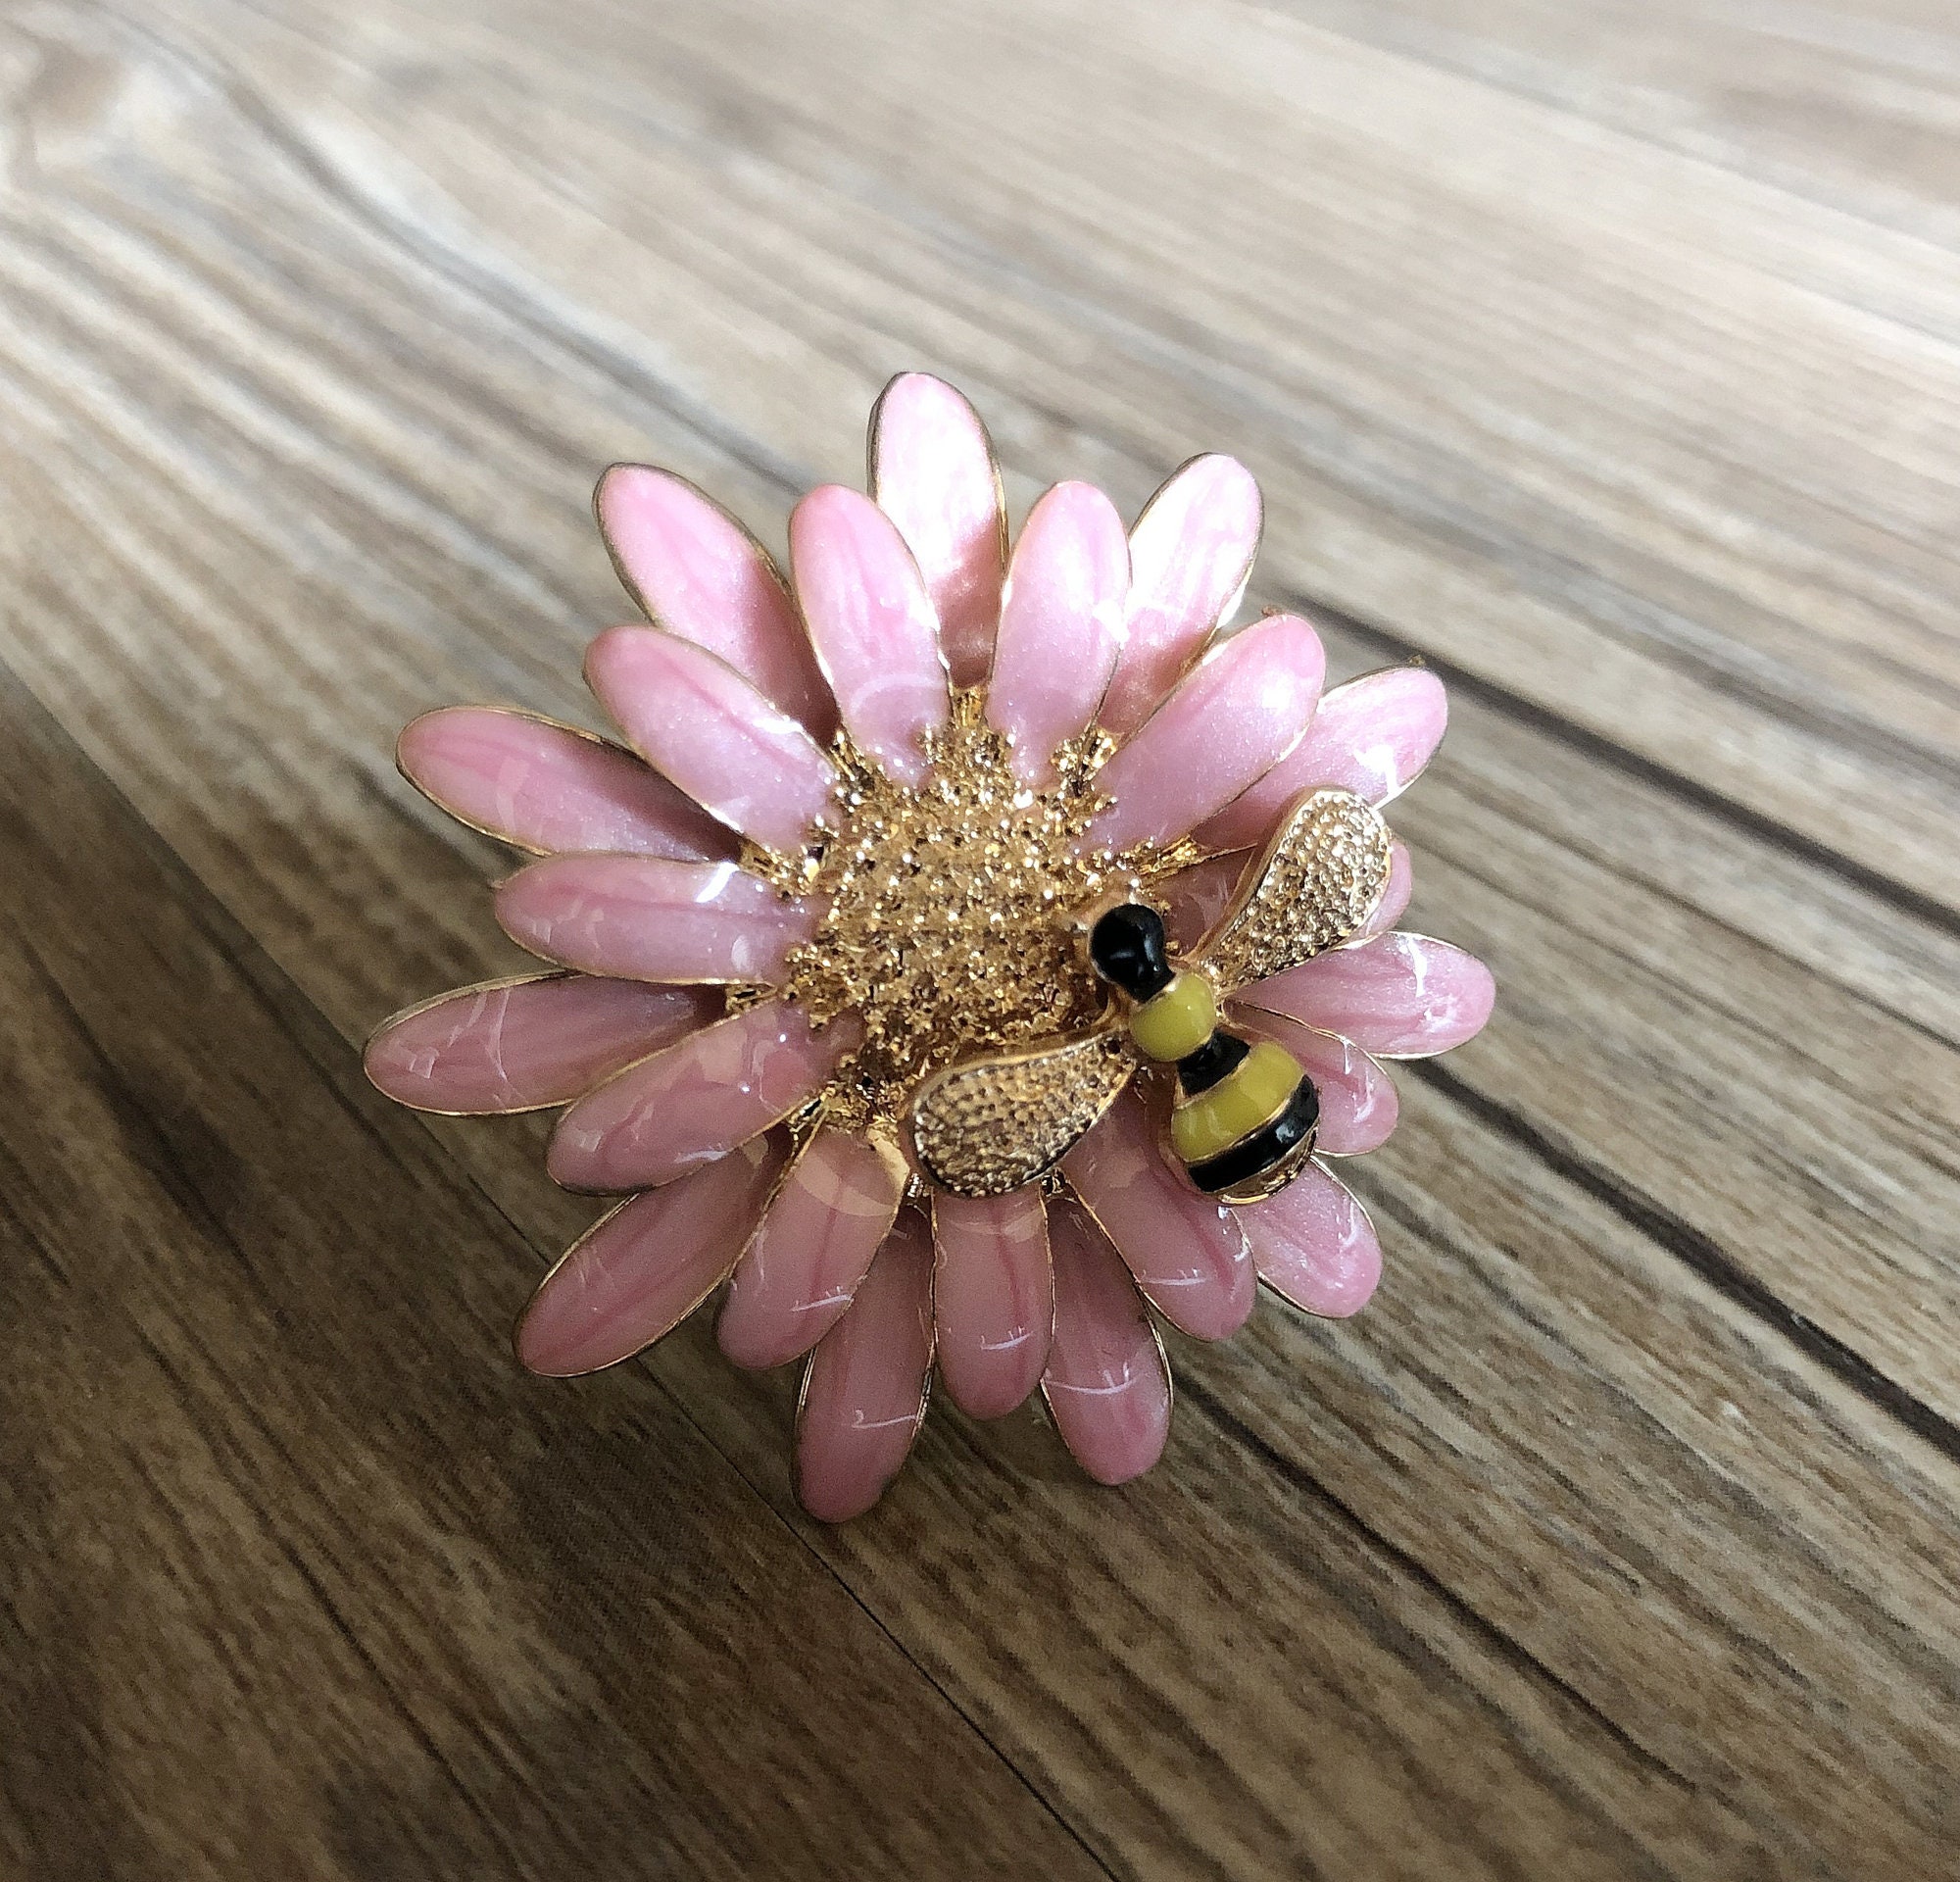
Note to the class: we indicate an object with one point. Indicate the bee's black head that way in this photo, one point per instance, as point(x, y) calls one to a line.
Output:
point(1127, 948)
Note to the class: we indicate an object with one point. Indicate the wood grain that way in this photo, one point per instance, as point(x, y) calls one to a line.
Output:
point(1604, 357)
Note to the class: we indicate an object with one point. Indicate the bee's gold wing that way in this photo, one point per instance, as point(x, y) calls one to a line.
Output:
point(1317, 883)
point(988, 1125)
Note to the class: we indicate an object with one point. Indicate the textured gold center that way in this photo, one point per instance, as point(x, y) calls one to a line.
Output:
point(949, 927)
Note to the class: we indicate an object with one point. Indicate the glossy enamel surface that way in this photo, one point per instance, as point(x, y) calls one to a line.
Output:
point(645, 918)
point(646, 1266)
point(700, 724)
point(871, 622)
point(1190, 554)
point(864, 1392)
point(1189, 1254)
point(697, 1099)
point(1227, 723)
point(1371, 737)
point(1358, 1106)
point(700, 575)
point(835, 1207)
point(1107, 1385)
point(993, 1298)
point(543, 787)
point(1400, 995)
point(1315, 1244)
point(1061, 623)
point(516, 1046)
point(933, 475)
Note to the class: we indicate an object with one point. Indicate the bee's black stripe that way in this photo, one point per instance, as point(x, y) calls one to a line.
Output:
point(1264, 1147)
point(1199, 1070)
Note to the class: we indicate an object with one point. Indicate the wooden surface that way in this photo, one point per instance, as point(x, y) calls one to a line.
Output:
point(1608, 354)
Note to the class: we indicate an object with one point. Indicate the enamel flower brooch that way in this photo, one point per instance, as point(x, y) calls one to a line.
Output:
point(964, 955)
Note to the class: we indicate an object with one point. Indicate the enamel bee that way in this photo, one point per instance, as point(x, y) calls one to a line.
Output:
point(1242, 1113)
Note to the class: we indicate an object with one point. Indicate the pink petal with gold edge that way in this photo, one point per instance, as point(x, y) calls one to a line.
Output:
point(1315, 1246)
point(932, 472)
point(1231, 719)
point(1399, 996)
point(1190, 554)
point(1358, 1106)
point(792, 1285)
point(993, 1298)
point(699, 723)
point(700, 575)
point(644, 1267)
point(1107, 1385)
point(1061, 623)
point(517, 1045)
point(698, 1100)
point(863, 1395)
point(1371, 737)
point(545, 787)
point(640, 917)
point(871, 623)
point(1188, 1253)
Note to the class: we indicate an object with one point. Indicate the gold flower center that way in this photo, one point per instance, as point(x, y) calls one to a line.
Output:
point(948, 929)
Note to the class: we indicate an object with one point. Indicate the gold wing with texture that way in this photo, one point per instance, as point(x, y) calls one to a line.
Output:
point(988, 1125)
point(1317, 883)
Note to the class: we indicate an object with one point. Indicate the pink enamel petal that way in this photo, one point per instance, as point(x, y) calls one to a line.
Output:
point(1230, 721)
point(699, 723)
point(545, 787)
point(1061, 623)
point(836, 1206)
point(641, 918)
point(517, 1045)
point(993, 1298)
point(1188, 1253)
point(1107, 1385)
point(697, 1100)
point(1191, 553)
point(1371, 737)
point(932, 472)
point(863, 1396)
point(1358, 1106)
point(871, 623)
point(643, 1268)
point(1315, 1246)
point(697, 573)
point(1400, 996)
